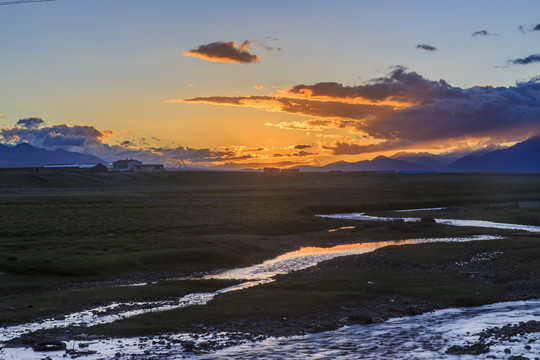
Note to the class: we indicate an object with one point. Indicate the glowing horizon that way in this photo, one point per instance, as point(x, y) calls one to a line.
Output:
point(215, 85)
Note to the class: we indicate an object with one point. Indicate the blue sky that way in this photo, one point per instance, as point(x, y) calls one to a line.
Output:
point(112, 65)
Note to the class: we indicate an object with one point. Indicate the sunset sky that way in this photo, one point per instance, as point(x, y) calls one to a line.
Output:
point(243, 84)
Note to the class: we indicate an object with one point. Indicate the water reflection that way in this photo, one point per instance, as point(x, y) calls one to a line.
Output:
point(342, 228)
point(453, 222)
point(254, 275)
point(425, 336)
point(263, 273)
point(311, 256)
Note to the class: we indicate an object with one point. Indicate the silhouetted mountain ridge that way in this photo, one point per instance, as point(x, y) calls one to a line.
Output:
point(523, 157)
point(24, 154)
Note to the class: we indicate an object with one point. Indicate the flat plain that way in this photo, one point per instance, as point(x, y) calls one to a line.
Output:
point(68, 240)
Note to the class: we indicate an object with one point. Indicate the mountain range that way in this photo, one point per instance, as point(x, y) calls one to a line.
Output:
point(523, 157)
point(26, 155)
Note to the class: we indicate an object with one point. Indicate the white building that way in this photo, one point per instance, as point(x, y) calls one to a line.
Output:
point(124, 165)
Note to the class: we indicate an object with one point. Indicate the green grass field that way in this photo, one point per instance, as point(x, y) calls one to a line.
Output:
point(60, 230)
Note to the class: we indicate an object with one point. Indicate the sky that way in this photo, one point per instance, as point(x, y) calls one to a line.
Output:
point(246, 84)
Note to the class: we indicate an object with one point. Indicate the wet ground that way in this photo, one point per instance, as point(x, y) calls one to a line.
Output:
point(348, 342)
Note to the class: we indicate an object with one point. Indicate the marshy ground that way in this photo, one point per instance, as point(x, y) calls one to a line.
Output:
point(68, 240)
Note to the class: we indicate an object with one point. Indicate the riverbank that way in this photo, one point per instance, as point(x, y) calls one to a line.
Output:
point(391, 282)
point(362, 289)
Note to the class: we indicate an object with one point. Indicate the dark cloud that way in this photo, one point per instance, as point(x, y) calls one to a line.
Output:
point(201, 155)
point(346, 148)
point(303, 153)
point(291, 105)
point(263, 44)
point(260, 165)
point(426, 47)
point(483, 33)
point(59, 140)
point(30, 123)
point(127, 143)
point(301, 147)
point(400, 85)
point(406, 108)
point(225, 51)
point(52, 136)
point(89, 140)
point(296, 154)
point(480, 33)
point(525, 61)
point(524, 29)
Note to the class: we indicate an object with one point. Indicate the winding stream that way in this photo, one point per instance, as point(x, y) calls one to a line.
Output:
point(424, 336)
point(254, 275)
point(330, 345)
point(452, 222)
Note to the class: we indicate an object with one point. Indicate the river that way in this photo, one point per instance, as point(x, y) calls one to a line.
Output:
point(420, 337)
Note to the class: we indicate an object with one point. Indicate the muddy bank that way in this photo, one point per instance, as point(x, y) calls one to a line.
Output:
point(482, 270)
point(359, 289)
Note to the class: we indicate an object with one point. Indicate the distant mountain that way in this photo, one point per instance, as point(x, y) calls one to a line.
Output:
point(23, 155)
point(380, 163)
point(522, 157)
point(427, 160)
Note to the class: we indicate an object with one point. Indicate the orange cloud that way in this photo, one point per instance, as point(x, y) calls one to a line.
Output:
point(403, 108)
point(225, 51)
point(309, 125)
point(258, 86)
point(309, 107)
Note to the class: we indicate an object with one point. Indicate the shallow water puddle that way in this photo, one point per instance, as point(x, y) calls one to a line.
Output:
point(342, 228)
point(453, 222)
point(255, 275)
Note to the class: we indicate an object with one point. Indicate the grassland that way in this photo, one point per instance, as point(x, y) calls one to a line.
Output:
point(65, 232)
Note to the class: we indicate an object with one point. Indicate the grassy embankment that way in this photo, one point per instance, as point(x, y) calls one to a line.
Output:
point(60, 229)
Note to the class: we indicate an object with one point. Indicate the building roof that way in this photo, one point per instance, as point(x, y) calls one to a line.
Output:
point(125, 161)
point(80, 166)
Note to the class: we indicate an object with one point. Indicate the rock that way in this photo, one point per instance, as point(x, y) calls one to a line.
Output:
point(507, 351)
point(517, 357)
point(52, 345)
point(361, 319)
point(188, 345)
point(474, 349)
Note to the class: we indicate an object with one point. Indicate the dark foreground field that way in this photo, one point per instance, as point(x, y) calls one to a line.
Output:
point(67, 239)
